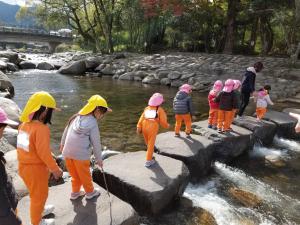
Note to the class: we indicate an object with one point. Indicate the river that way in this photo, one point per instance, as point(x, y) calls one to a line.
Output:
point(278, 187)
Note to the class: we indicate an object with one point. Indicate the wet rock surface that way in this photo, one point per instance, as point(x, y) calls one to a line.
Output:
point(148, 190)
point(245, 198)
point(73, 68)
point(11, 108)
point(196, 152)
point(103, 210)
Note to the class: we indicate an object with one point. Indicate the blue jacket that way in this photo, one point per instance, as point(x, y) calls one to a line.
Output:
point(182, 103)
point(248, 82)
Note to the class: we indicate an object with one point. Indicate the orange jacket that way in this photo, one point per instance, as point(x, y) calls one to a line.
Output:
point(161, 119)
point(33, 145)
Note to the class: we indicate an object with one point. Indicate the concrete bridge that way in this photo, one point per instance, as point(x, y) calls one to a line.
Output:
point(22, 35)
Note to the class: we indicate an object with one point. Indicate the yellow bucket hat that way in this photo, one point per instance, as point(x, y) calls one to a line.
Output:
point(35, 102)
point(93, 102)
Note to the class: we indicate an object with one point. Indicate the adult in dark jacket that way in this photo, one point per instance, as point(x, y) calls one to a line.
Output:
point(183, 109)
point(8, 196)
point(248, 85)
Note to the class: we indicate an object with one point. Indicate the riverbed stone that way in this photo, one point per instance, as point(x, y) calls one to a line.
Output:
point(165, 81)
point(92, 62)
point(6, 85)
point(102, 210)
point(3, 65)
point(196, 152)
point(12, 165)
point(127, 76)
point(11, 108)
point(230, 145)
point(285, 123)
point(173, 75)
point(151, 79)
point(12, 67)
point(11, 136)
point(148, 190)
point(45, 66)
point(246, 198)
point(27, 65)
point(108, 70)
point(73, 68)
point(13, 57)
point(5, 146)
point(263, 131)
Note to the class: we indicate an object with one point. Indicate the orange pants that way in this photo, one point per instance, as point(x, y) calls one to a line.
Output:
point(213, 117)
point(224, 120)
point(150, 130)
point(260, 112)
point(80, 172)
point(187, 121)
point(233, 115)
point(36, 178)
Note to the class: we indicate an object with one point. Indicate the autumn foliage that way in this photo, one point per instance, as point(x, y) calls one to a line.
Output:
point(153, 8)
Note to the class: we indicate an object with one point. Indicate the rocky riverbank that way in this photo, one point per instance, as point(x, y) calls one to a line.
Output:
point(170, 69)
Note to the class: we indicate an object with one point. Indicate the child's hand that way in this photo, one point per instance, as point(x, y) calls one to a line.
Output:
point(194, 118)
point(100, 163)
point(61, 147)
point(57, 174)
point(296, 116)
point(138, 130)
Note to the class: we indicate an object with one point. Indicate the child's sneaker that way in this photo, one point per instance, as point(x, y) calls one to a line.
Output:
point(220, 131)
point(93, 194)
point(76, 195)
point(150, 163)
point(188, 136)
point(47, 222)
point(177, 135)
point(48, 209)
point(210, 126)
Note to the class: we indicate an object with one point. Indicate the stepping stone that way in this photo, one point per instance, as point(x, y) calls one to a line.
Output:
point(196, 152)
point(97, 211)
point(148, 190)
point(229, 145)
point(263, 131)
point(285, 124)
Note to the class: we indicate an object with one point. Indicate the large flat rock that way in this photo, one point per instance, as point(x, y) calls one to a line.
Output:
point(195, 152)
point(263, 131)
point(81, 211)
point(148, 190)
point(285, 123)
point(230, 145)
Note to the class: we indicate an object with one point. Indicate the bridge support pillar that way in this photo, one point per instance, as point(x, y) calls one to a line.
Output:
point(52, 46)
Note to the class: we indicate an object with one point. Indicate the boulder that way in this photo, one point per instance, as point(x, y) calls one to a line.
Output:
point(11, 56)
point(3, 65)
point(92, 62)
point(148, 190)
point(195, 152)
point(173, 75)
point(187, 76)
point(263, 131)
point(285, 124)
point(142, 74)
point(127, 76)
point(165, 81)
point(108, 70)
point(151, 80)
point(100, 67)
point(27, 65)
point(45, 66)
point(11, 108)
point(12, 170)
point(12, 67)
point(73, 68)
point(162, 74)
point(6, 85)
point(176, 83)
point(103, 210)
point(119, 56)
point(230, 145)
point(11, 136)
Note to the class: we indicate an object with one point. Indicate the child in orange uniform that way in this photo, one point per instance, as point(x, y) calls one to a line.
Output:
point(214, 106)
point(237, 93)
point(34, 154)
point(149, 122)
point(262, 101)
point(227, 101)
point(8, 196)
point(183, 108)
point(81, 133)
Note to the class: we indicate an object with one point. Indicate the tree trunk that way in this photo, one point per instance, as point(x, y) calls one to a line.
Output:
point(232, 12)
point(267, 36)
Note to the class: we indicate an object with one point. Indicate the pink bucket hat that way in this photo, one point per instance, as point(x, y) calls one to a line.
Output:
point(4, 119)
point(218, 86)
point(228, 87)
point(237, 84)
point(186, 88)
point(156, 99)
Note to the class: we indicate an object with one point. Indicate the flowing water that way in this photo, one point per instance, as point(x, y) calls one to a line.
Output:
point(277, 187)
